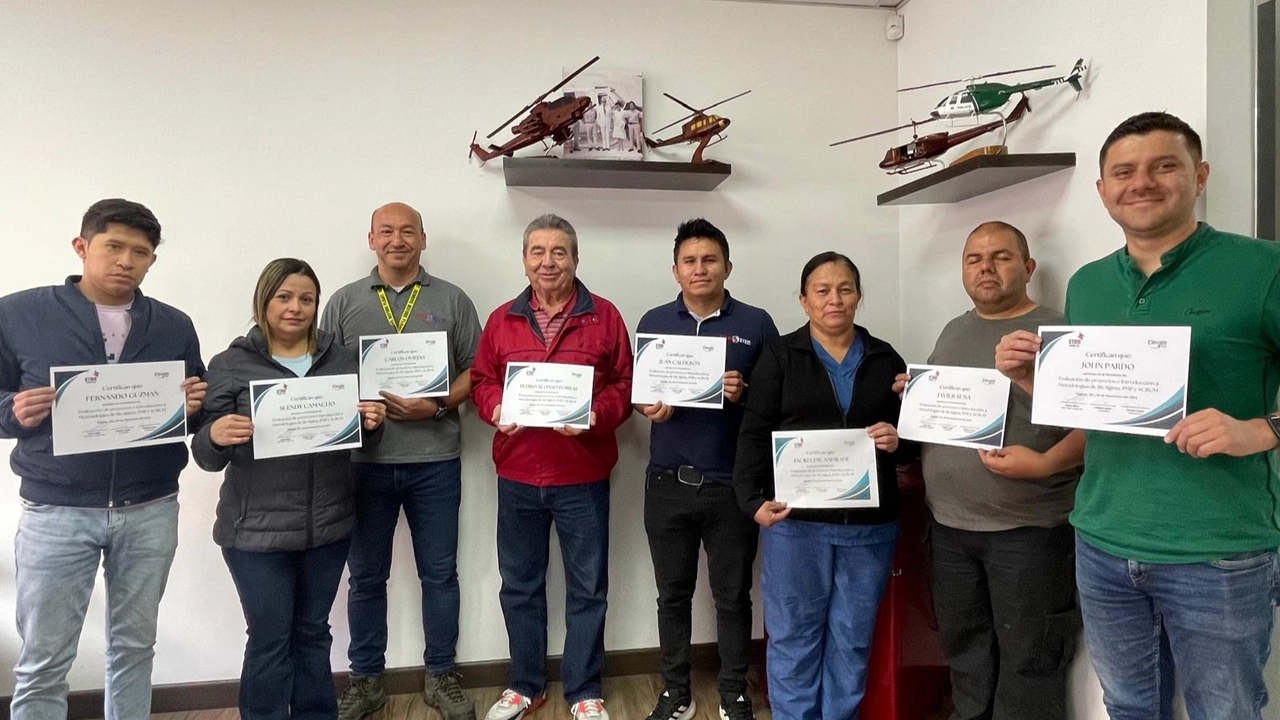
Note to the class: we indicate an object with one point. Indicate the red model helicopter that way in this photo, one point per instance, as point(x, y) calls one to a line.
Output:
point(921, 152)
point(699, 128)
point(553, 120)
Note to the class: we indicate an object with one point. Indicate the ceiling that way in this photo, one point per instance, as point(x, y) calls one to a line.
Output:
point(856, 4)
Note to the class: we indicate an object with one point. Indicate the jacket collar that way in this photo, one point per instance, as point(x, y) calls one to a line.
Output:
point(726, 308)
point(582, 305)
point(802, 340)
point(256, 340)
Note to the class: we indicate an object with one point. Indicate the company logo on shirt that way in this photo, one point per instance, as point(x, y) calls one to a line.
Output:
point(1194, 312)
point(428, 317)
point(739, 340)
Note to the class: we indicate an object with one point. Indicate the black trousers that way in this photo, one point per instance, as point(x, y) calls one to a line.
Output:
point(679, 518)
point(1007, 609)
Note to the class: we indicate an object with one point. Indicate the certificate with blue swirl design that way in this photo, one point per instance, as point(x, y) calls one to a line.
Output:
point(549, 395)
point(960, 406)
point(679, 370)
point(296, 416)
point(409, 365)
point(117, 406)
point(825, 469)
point(1126, 379)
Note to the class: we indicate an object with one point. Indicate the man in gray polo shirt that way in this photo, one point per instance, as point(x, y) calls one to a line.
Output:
point(1003, 553)
point(416, 466)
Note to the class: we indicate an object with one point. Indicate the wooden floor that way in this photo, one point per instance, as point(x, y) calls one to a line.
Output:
point(629, 697)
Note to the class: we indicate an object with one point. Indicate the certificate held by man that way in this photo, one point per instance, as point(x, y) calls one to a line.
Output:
point(295, 416)
point(547, 395)
point(825, 469)
point(412, 365)
point(1127, 379)
point(119, 406)
point(679, 370)
point(960, 406)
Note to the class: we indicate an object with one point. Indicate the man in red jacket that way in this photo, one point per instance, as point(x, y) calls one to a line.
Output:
point(558, 475)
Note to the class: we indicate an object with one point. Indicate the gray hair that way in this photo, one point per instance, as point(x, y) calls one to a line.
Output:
point(551, 221)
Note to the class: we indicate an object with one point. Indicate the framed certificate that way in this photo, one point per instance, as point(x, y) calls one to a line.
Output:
point(825, 469)
point(295, 416)
point(411, 365)
point(959, 406)
point(1126, 379)
point(679, 370)
point(547, 395)
point(114, 407)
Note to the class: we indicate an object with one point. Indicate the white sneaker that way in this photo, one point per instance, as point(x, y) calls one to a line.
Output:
point(513, 706)
point(592, 709)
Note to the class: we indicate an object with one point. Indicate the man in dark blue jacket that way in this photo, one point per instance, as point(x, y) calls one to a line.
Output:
point(689, 500)
point(118, 508)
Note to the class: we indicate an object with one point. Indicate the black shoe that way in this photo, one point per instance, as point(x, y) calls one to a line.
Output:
point(443, 693)
point(362, 698)
point(736, 706)
point(673, 706)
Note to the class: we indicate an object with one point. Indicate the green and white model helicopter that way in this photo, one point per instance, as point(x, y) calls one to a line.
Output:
point(978, 98)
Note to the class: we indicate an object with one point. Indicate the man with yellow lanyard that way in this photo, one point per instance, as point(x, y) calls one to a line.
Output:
point(416, 466)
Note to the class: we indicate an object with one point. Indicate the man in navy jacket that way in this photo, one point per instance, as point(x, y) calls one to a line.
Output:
point(118, 508)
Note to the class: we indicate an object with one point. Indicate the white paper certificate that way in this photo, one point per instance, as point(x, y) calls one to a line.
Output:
point(411, 365)
point(825, 469)
point(294, 416)
point(960, 406)
point(547, 395)
point(1128, 379)
point(679, 370)
point(113, 407)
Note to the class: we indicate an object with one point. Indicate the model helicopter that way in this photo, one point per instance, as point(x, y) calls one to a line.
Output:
point(553, 120)
point(698, 127)
point(978, 98)
point(921, 152)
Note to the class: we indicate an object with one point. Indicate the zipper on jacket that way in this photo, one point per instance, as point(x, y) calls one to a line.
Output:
point(111, 482)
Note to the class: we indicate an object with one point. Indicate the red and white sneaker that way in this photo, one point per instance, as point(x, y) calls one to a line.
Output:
point(592, 709)
point(513, 706)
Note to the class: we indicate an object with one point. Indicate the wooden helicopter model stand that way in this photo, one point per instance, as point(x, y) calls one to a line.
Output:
point(975, 100)
point(698, 127)
point(545, 120)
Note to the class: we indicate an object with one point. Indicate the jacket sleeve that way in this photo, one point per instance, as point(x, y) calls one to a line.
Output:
point(195, 368)
point(762, 414)
point(219, 400)
point(908, 450)
point(10, 385)
point(486, 371)
point(612, 403)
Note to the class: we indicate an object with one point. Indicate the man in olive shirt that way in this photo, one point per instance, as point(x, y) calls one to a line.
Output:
point(1003, 553)
point(1176, 538)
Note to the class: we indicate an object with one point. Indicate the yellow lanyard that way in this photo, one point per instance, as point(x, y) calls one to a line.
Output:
point(408, 307)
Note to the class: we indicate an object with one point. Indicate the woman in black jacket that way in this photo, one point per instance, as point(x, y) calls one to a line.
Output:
point(823, 571)
point(285, 523)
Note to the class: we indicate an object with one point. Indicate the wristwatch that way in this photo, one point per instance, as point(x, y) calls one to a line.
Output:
point(1274, 422)
point(442, 410)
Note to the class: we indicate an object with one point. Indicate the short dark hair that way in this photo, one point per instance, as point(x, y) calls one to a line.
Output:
point(699, 228)
point(1149, 122)
point(120, 212)
point(1002, 226)
point(822, 259)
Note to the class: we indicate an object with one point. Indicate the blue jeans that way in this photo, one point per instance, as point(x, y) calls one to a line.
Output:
point(821, 587)
point(581, 516)
point(430, 494)
point(57, 551)
point(286, 598)
point(1206, 624)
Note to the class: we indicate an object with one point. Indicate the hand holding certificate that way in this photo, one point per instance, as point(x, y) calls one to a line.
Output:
point(113, 407)
point(1129, 379)
point(960, 406)
point(411, 365)
point(679, 371)
point(295, 416)
point(825, 469)
point(550, 395)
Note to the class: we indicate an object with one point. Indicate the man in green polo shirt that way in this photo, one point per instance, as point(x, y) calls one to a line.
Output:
point(1176, 539)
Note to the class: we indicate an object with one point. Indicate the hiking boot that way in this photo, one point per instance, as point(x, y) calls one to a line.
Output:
point(362, 698)
point(443, 693)
point(673, 706)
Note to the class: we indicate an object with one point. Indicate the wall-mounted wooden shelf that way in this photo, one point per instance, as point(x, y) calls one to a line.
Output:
point(977, 176)
point(622, 174)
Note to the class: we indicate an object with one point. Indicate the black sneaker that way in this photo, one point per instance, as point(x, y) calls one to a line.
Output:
point(443, 693)
point(736, 707)
point(672, 706)
point(362, 698)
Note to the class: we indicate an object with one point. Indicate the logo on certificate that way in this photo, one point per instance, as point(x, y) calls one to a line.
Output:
point(283, 389)
point(1157, 344)
point(1075, 341)
point(91, 379)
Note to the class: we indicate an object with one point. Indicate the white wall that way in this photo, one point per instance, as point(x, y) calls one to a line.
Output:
point(256, 130)
point(1183, 56)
